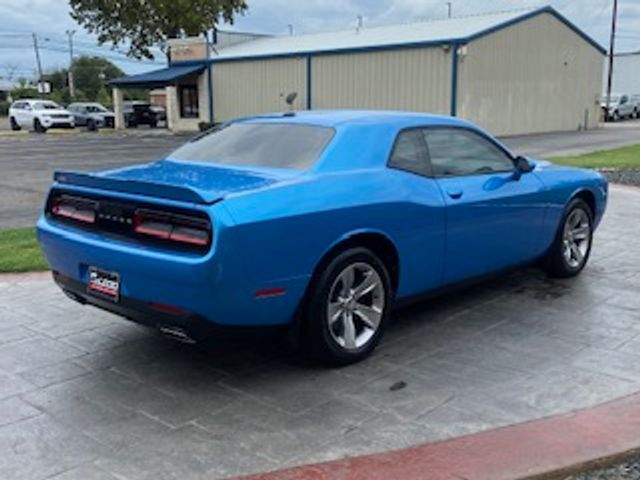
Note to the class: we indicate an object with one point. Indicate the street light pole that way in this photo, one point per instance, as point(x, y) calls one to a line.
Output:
point(39, 63)
point(611, 50)
point(72, 86)
point(449, 6)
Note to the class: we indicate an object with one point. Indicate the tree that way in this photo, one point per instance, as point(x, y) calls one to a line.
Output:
point(91, 76)
point(142, 24)
point(10, 70)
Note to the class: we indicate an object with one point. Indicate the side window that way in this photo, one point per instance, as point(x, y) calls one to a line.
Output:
point(623, 100)
point(461, 152)
point(410, 153)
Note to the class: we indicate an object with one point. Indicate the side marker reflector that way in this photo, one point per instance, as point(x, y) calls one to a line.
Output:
point(270, 292)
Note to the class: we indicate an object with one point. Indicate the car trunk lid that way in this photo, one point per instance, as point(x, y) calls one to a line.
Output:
point(180, 181)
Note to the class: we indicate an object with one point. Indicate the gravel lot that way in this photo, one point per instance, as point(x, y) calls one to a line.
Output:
point(629, 470)
point(623, 177)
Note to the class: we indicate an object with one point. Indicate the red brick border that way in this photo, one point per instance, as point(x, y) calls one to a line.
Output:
point(525, 450)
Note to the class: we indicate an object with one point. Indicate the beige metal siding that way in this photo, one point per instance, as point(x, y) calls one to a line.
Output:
point(417, 79)
point(260, 86)
point(535, 76)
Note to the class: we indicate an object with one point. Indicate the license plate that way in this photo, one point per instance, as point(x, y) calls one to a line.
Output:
point(104, 284)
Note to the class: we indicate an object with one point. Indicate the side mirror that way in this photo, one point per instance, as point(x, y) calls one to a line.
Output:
point(522, 166)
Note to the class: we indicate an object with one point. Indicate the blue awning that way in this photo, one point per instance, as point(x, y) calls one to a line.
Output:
point(157, 78)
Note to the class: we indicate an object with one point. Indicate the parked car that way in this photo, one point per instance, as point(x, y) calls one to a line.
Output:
point(92, 115)
point(620, 106)
point(160, 111)
point(39, 115)
point(635, 101)
point(317, 222)
point(139, 113)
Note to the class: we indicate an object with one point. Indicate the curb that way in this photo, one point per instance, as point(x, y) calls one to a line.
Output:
point(550, 448)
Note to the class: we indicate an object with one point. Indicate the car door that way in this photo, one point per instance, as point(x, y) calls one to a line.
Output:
point(493, 212)
point(26, 115)
point(419, 215)
point(18, 113)
point(625, 108)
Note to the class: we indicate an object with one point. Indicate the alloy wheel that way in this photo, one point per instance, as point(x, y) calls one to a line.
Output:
point(576, 238)
point(355, 306)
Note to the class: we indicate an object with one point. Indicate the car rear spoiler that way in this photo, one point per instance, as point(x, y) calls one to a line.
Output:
point(158, 190)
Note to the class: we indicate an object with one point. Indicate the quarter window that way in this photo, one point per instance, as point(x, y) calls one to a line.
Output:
point(460, 152)
point(410, 153)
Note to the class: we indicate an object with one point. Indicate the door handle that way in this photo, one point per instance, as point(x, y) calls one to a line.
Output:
point(454, 193)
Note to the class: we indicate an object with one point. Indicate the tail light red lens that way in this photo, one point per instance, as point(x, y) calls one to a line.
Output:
point(74, 208)
point(182, 229)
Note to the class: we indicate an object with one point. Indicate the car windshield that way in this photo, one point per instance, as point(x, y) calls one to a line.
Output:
point(277, 145)
point(46, 106)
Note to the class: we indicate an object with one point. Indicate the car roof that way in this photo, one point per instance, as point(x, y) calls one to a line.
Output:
point(32, 100)
point(336, 118)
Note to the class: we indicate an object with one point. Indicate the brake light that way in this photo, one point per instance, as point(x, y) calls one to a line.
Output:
point(194, 231)
point(74, 208)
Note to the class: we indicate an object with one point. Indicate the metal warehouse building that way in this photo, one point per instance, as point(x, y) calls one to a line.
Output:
point(512, 73)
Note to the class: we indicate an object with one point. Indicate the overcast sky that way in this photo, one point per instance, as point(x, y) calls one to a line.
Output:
point(50, 18)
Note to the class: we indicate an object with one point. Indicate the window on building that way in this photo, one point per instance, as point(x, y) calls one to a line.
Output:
point(188, 101)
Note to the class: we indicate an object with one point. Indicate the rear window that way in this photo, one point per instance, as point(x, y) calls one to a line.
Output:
point(277, 145)
point(46, 106)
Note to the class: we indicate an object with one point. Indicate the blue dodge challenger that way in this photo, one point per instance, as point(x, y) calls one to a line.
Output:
point(317, 221)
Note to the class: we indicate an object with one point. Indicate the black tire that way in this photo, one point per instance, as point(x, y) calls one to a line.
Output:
point(92, 126)
point(37, 126)
point(14, 125)
point(556, 262)
point(318, 336)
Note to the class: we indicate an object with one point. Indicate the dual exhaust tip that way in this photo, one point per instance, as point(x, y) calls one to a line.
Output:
point(178, 334)
point(173, 332)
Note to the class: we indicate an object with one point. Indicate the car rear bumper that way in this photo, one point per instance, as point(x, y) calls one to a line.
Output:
point(213, 291)
point(182, 325)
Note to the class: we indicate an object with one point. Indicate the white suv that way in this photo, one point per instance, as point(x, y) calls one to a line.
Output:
point(635, 101)
point(620, 107)
point(39, 115)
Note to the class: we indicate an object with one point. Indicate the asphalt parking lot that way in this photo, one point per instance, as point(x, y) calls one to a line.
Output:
point(28, 160)
point(86, 395)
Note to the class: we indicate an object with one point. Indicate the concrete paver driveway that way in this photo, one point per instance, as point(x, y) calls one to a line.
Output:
point(85, 395)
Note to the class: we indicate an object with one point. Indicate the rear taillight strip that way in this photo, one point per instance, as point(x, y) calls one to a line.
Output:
point(192, 231)
point(74, 209)
point(189, 230)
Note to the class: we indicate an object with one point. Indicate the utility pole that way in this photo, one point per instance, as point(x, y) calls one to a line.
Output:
point(72, 85)
point(35, 48)
point(449, 7)
point(611, 50)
